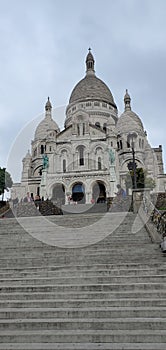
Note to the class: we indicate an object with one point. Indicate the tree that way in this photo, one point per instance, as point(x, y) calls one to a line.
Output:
point(142, 179)
point(5, 181)
point(150, 183)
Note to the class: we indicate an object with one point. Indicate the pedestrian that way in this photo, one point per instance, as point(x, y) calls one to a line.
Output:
point(121, 193)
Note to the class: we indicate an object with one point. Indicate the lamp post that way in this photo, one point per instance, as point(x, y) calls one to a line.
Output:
point(131, 137)
point(2, 188)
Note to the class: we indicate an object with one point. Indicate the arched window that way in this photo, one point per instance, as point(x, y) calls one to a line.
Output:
point(128, 144)
point(78, 129)
point(97, 124)
point(105, 127)
point(83, 128)
point(64, 165)
point(42, 149)
point(99, 163)
point(142, 143)
point(139, 143)
point(121, 145)
point(35, 152)
point(81, 155)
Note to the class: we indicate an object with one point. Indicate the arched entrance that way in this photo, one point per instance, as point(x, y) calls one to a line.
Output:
point(78, 193)
point(58, 194)
point(99, 192)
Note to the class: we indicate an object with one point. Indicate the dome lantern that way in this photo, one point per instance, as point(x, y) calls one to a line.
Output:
point(127, 101)
point(90, 62)
point(48, 108)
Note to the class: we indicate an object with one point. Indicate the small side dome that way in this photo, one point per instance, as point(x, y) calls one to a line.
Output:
point(129, 121)
point(47, 124)
point(43, 128)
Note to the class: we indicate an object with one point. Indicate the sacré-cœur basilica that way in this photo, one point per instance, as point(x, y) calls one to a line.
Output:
point(91, 155)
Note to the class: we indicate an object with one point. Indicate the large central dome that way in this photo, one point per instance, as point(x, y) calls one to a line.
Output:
point(91, 87)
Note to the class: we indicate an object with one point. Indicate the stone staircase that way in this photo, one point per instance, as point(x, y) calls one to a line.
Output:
point(107, 295)
point(84, 208)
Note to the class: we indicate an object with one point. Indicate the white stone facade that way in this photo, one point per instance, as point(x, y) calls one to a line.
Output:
point(79, 161)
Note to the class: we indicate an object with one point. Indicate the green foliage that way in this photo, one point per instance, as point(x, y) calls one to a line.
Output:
point(140, 175)
point(142, 180)
point(5, 180)
point(150, 183)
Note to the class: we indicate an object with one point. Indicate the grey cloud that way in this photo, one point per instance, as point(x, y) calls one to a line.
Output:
point(43, 50)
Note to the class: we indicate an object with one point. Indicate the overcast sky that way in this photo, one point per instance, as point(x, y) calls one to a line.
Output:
point(44, 44)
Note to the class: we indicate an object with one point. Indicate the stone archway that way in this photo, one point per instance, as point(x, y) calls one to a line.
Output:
point(78, 193)
point(99, 192)
point(58, 194)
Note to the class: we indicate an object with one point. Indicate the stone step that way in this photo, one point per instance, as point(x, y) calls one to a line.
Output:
point(84, 208)
point(84, 287)
point(122, 231)
point(84, 336)
point(87, 295)
point(18, 232)
point(79, 313)
point(74, 221)
point(14, 247)
point(92, 267)
point(81, 280)
point(131, 323)
point(25, 262)
point(26, 237)
point(109, 293)
point(57, 303)
point(70, 272)
point(80, 256)
point(117, 246)
point(83, 346)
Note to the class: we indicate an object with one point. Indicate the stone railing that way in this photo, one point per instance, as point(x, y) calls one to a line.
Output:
point(157, 217)
point(159, 220)
point(154, 220)
point(143, 206)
